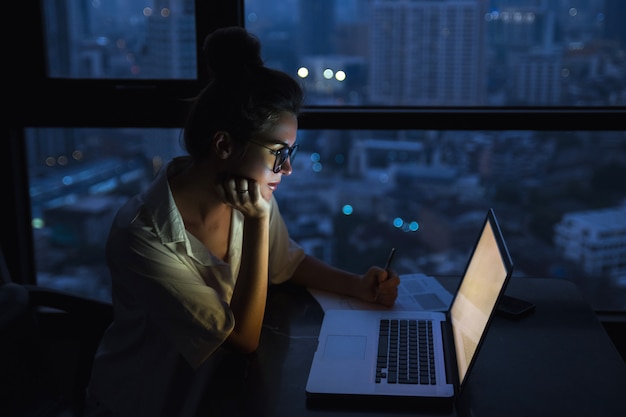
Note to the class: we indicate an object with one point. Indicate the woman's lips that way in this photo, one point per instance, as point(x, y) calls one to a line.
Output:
point(273, 185)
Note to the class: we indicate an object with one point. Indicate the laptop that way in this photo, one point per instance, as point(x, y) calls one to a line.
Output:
point(353, 358)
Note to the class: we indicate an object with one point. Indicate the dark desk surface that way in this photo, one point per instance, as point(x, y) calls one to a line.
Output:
point(556, 362)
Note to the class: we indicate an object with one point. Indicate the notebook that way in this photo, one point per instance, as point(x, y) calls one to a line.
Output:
point(349, 359)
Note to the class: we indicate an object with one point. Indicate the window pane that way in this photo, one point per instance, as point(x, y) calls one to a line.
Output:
point(448, 52)
point(560, 198)
point(78, 180)
point(130, 39)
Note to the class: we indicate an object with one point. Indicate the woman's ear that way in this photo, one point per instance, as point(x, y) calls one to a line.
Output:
point(223, 144)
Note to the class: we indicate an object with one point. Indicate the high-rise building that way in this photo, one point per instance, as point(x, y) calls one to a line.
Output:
point(427, 52)
point(614, 27)
point(170, 48)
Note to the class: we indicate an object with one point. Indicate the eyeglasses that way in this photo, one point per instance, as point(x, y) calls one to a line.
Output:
point(281, 154)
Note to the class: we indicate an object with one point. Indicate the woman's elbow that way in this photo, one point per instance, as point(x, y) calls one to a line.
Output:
point(242, 344)
point(249, 348)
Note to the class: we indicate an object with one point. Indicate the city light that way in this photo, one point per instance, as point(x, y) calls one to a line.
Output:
point(303, 72)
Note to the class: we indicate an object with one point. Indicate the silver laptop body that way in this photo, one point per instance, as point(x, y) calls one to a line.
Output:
point(347, 363)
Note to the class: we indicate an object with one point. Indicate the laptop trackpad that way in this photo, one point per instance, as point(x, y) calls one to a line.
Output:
point(345, 347)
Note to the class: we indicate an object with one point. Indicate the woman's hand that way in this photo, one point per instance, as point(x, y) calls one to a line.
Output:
point(376, 286)
point(244, 194)
point(380, 286)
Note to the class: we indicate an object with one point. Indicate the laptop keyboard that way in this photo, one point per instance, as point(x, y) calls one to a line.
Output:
point(405, 352)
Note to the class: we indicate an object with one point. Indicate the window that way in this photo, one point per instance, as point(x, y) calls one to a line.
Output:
point(120, 40)
point(447, 53)
point(421, 115)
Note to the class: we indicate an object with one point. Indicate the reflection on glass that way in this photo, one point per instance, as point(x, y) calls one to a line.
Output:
point(131, 39)
point(560, 198)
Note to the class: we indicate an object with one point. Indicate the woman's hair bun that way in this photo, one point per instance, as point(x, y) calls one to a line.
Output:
point(230, 51)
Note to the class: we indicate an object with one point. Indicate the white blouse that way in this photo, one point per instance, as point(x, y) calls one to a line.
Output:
point(171, 303)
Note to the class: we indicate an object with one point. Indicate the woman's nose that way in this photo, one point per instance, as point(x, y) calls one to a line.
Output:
point(286, 168)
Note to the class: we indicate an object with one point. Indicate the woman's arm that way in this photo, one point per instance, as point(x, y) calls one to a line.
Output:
point(250, 293)
point(377, 285)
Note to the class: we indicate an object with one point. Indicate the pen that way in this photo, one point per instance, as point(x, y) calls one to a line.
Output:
point(387, 266)
point(390, 258)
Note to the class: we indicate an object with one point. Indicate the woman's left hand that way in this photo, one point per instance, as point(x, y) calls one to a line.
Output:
point(381, 286)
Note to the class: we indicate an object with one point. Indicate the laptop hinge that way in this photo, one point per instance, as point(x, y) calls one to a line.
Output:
point(449, 349)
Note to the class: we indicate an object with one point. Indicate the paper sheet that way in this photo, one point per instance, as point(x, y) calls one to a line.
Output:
point(415, 292)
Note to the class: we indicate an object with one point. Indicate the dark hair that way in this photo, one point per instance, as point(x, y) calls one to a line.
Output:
point(243, 97)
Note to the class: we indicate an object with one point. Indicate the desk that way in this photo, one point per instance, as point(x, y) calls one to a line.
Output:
point(558, 361)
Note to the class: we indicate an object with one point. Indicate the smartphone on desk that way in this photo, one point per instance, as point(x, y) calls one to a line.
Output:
point(513, 307)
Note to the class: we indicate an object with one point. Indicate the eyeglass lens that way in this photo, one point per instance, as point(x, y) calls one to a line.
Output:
point(283, 154)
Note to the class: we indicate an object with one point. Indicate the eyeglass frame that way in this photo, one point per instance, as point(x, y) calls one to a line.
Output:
point(290, 152)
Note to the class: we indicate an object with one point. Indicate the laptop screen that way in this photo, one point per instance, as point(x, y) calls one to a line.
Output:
point(488, 270)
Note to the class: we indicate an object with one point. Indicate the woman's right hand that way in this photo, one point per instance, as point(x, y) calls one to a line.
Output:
point(244, 194)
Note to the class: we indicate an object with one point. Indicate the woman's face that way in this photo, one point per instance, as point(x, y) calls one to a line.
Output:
point(258, 161)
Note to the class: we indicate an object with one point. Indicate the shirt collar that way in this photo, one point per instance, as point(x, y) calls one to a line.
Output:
point(159, 201)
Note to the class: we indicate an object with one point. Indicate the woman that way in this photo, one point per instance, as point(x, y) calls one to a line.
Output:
point(191, 258)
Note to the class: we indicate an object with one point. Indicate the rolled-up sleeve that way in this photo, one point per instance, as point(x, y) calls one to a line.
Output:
point(285, 253)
